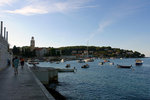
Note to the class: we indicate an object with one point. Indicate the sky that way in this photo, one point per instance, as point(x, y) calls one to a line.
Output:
point(121, 24)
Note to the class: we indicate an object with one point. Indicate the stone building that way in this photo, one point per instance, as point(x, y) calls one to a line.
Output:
point(32, 44)
point(4, 48)
point(40, 52)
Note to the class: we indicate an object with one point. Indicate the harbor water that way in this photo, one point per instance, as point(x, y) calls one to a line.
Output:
point(104, 82)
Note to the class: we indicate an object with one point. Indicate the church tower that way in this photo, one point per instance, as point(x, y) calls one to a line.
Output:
point(32, 43)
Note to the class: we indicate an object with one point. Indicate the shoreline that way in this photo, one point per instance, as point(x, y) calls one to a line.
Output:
point(55, 94)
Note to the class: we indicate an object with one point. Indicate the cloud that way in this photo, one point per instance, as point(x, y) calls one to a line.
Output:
point(29, 10)
point(100, 28)
point(50, 6)
point(117, 13)
point(6, 2)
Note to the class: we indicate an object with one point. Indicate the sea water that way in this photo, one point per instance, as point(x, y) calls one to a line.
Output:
point(104, 82)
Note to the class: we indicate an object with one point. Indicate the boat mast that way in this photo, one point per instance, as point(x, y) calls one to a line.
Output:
point(87, 49)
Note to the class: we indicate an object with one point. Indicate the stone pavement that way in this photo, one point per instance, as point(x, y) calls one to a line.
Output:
point(23, 86)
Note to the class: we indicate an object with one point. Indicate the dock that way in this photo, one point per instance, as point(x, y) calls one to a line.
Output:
point(65, 70)
point(24, 86)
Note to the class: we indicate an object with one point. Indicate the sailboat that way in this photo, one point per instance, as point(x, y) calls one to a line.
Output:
point(88, 59)
point(62, 60)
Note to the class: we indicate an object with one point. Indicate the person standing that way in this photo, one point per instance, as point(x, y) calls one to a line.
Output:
point(16, 63)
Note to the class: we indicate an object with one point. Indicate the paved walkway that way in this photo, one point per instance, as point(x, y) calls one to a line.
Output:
point(19, 87)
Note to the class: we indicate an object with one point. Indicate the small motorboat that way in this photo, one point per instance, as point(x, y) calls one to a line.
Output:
point(111, 63)
point(89, 60)
point(33, 62)
point(101, 63)
point(68, 65)
point(106, 61)
point(81, 61)
point(85, 66)
point(122, 66)
point(138, 62)
point(57, 62)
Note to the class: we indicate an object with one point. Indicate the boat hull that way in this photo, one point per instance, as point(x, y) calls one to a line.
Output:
point(138, 64)
point(121, 66)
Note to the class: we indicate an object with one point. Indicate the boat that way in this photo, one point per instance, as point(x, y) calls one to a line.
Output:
point(65, 70)
point(62, 60)
point(81, 61)
point(57, 62)
point(33, 62)
point(106, 61)
point(138, 62)
point(111, 63)
point(122, 66)
point(85, 66)
point(101, 63)
point(89, 60)
point(68, 65)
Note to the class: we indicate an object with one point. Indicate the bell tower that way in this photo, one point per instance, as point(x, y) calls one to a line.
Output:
point(32, 43)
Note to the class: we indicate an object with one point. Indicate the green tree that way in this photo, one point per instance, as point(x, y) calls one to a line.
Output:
point(16, 50)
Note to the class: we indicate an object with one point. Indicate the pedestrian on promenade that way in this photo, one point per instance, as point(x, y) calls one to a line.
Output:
point(16, 63)
point(22, 62)
point(13, 62)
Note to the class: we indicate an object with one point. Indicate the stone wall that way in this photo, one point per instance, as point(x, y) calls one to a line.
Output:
point(4, 54)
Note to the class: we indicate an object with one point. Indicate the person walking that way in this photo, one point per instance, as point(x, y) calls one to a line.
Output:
point(16, 63)
point(22, 62)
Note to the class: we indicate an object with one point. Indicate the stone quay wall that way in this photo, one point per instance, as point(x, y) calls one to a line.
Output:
point(4, 53)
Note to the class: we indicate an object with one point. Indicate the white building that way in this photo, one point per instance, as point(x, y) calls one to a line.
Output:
point(40, 52)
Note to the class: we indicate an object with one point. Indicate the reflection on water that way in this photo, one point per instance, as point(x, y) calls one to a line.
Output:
point(105, 82)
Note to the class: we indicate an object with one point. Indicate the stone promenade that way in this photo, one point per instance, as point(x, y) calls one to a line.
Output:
point(23, 86)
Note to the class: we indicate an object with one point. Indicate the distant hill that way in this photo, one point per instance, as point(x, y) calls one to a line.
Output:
point(101, 51)
point(94, 51)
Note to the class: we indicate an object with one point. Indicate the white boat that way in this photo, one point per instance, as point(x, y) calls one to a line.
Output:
point(89, 60)
point(62, 60)
point(33, 62)
point(124, 66)
point(111, 63)
point(81, 61)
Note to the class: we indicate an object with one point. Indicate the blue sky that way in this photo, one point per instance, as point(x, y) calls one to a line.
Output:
point(55, 23)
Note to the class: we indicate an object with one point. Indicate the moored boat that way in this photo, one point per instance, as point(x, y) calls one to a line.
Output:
point(106, 61)
point(62, 60)
point(89, 60)
point(101, 63)
point(111, 63)
point(81, 61)
point(138, 62)
point(33, 62)
point(68, 65)
point(85, 66)
point(57, 62)
point(124, 66)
